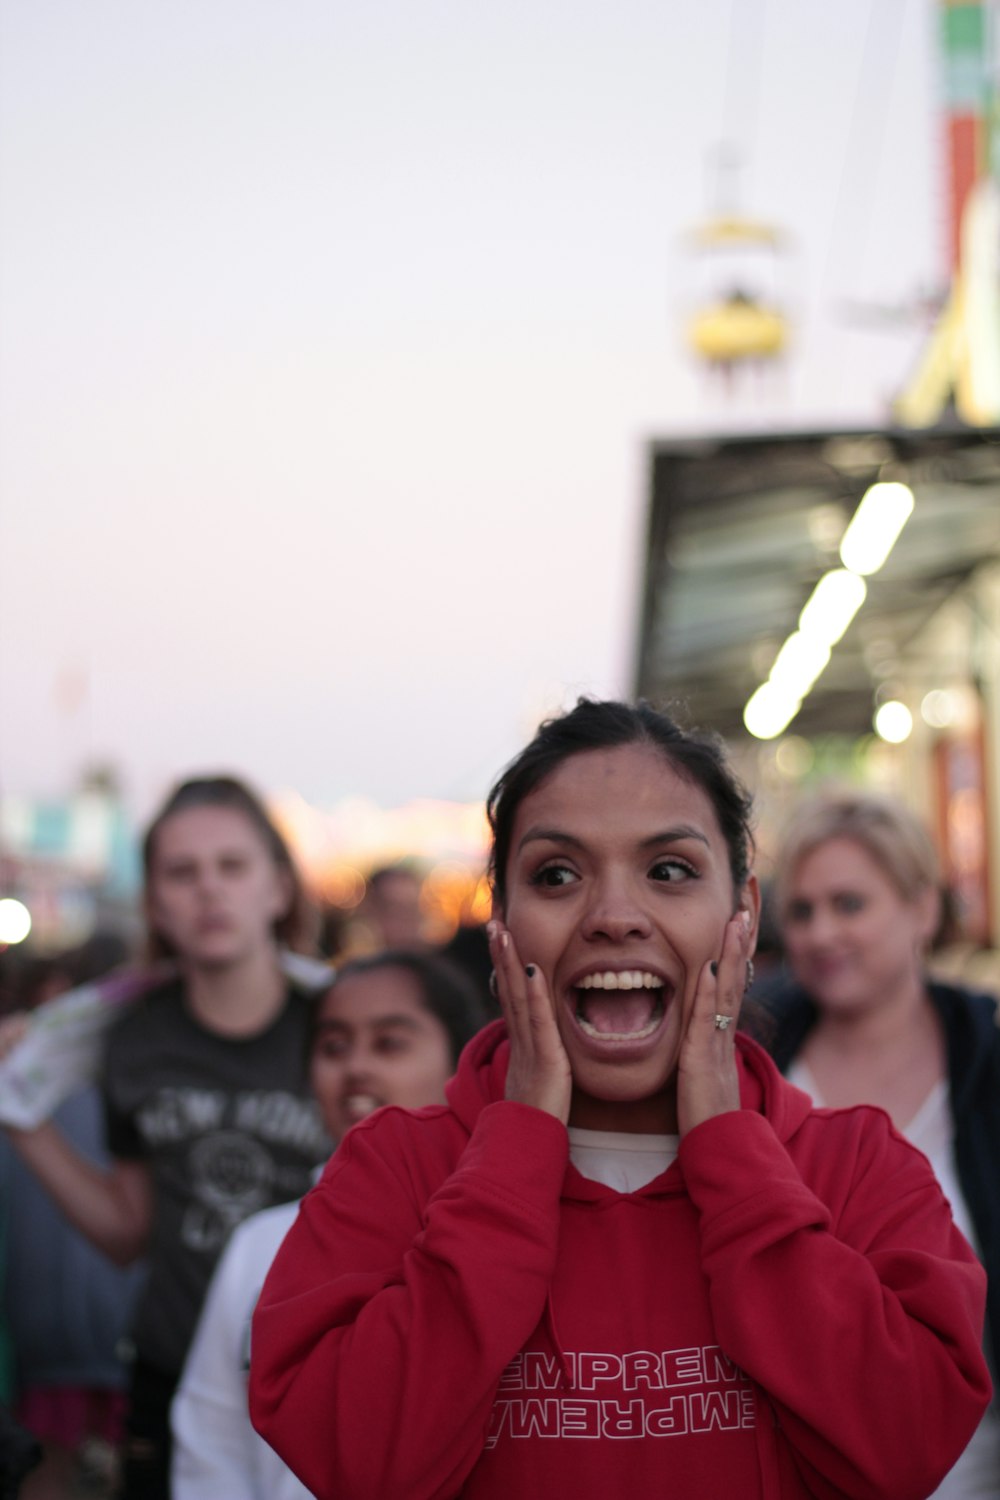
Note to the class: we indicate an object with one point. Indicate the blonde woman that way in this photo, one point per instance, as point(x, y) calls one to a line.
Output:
point(860, 1022)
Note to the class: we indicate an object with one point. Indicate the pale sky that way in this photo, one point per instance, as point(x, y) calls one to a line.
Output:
point(333, 335)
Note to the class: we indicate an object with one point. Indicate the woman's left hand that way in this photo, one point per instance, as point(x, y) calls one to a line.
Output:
point(707, 1078)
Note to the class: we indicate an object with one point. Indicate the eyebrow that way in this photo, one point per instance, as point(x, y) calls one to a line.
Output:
point(674, 835)
point(186, 857)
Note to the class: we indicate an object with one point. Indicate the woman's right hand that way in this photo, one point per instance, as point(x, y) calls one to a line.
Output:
point(13, 1029)
point(538, 1073)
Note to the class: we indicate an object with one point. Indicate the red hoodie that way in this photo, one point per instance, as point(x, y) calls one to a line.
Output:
point(787, 1311)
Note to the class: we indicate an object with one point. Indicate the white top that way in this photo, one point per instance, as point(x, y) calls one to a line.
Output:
point(620, 1160)
point(976, 1475)
point(217, 1453)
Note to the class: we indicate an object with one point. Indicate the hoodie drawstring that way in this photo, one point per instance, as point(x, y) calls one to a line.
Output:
point(549, 1319)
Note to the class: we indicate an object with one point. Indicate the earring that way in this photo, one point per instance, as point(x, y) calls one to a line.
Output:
point(493, 986)
point(749, 975)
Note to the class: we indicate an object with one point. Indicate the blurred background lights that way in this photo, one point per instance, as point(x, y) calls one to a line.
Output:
point(343, 886)
point(769, 711)
point(794, 757)
point(939, 708)
point(15, 921)
point(874, 527)
point(832, 606)
point(798, 664)
point(893, 722)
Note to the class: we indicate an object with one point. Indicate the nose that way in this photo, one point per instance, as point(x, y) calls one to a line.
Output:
point(357, 1067)
point(616, 913)
point(209, 880)
point(821, 926)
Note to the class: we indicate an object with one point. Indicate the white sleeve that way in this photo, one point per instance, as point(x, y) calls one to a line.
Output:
point(216, 1451)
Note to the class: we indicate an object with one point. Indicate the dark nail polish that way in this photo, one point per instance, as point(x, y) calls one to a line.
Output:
point(714, 968)
point(530, 970)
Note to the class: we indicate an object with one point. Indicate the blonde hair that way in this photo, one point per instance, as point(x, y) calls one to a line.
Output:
point(895, 838)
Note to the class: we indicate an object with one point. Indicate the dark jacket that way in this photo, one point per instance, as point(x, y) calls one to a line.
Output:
point(971, 1025)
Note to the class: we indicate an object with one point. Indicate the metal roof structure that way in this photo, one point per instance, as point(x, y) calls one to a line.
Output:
point(740, 530)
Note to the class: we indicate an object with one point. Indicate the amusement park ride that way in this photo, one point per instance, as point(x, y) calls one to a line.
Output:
point(747, 531)
point(742, 323)
point(960, 367)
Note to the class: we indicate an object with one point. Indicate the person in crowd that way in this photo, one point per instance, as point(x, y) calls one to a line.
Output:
point(67, 1342)
point(468, 948)
point(391, 913)
point(858, 1020)
point(628, 1257)
point(209, 1116)
point(388, 1033)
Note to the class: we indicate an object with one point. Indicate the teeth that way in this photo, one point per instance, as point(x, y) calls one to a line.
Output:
point(627, 979)
point(360, 1104)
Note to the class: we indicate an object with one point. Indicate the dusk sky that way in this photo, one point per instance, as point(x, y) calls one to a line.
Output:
point(333, 336)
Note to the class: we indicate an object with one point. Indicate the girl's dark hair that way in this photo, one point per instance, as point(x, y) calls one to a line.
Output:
point(696, 756)
point(445, 991)
point(296, 928)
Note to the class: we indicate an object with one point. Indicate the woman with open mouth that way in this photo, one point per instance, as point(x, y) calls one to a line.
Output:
point(627, 1257)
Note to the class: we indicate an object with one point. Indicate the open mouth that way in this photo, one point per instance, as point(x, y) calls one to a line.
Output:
point(625, 1006)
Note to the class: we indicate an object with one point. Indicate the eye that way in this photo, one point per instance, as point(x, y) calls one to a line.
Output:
point(331, 1048)
point(798, 912)
point(849, 903)
point(554, 876)
point(389, 1044)
point(672, 871)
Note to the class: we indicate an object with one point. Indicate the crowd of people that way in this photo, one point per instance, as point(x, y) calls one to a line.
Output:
point(604, 1217)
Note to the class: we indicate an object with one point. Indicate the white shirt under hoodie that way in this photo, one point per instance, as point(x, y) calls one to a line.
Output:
point(977, 1473)
point(217, 1453)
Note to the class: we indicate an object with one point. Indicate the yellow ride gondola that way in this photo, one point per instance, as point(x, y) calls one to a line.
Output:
point(738, 323)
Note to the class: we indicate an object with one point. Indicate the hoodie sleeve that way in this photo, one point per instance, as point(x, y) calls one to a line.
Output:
point(391, 1313)
point(852, 1300)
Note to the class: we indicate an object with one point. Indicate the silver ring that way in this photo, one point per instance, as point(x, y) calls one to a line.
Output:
point(722, 1023)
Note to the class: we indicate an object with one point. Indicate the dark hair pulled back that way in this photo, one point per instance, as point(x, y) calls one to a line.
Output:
point(696, 756)
point(444, 990)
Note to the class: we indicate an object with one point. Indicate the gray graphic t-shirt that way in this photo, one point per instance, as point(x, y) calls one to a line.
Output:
point(227, 1127)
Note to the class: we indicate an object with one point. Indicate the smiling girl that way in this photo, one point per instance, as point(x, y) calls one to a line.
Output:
point(627, 1257)
point(388, 1033)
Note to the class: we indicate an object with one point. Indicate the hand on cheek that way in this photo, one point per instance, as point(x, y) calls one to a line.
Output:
point(707, 1076)
point(539, 1072)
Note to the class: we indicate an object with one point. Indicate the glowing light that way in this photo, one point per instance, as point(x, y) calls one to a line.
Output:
point(832, 606)
point(794, 757)
point(875, 525)
point(939, 709)
point(798, 664)
point(15, 921)
point(344, 886)
point(894, 722)
point(481, 906)
point(829, 610)
point(769, 711)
